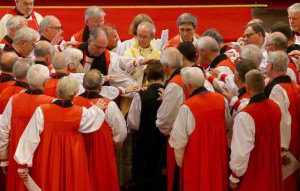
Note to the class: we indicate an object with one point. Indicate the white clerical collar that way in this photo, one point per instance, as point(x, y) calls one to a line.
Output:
point(194, 40)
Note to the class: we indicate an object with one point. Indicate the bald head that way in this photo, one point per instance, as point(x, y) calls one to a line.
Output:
point(8, 59)
point(92, 80)
point(43, 48)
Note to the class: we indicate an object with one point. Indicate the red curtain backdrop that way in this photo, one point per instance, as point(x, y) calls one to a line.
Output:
point(228, 21)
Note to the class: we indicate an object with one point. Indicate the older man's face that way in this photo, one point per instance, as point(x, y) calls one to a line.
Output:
point(25, 6)
point(294, 20)
point(97, 47)
point(144, 37)
point(53, 28)
point(93, 22)
point(186, 32)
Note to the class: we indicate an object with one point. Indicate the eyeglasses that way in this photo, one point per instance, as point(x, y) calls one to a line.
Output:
point(56, 28)
point(249, 35)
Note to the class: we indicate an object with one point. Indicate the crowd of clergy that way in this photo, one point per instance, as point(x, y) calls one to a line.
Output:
point(188, 113)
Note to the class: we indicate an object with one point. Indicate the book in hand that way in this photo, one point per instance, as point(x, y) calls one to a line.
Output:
point(31, 185)
point(291, 168)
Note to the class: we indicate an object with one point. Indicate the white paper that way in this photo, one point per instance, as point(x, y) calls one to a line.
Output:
point(291, 168)
point(164, 38)
point(31, 185)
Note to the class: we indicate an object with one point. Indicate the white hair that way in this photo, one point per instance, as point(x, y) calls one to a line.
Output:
point(67, 88)
point(172, 57)
point(46, 22)
point(193, 76)
point(94, 11)
point(21, 67)
point(26, 34)
point(61, 60)
point(208, 43)
point(252, 52)
point(37, 75)
point(279, 60)
point(294, 8)
point(148, 25)
point(75, 54)
point(14, 23)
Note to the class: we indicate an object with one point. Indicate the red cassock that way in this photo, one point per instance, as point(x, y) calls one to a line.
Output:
point(205, 161)
point(100, 153)
point(264, 166)
point(291, 182)
point(59, 163)
point(23, 107)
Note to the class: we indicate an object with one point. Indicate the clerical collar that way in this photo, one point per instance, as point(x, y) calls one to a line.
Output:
point(199, 91)
point(34, 91)
point(41, 63)
point(63, 103)
point(58, 75)
point(90, 94)
point(217, 60)
point(278, 80)
point(22, 84)
point(177, 71)
point(44, 39)
point(257, 98)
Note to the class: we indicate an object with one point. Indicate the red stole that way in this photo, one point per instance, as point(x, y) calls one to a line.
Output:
point(205, 162)
point(100, 153)
point(264, 166)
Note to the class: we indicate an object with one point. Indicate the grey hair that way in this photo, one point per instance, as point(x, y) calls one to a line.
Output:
point(61, 60)
point(94, 11)
point(172, 57)
point(14, 23)
point(193, 76)
point(27, 34)
point(75, 54)
point(208, 43)
point(253, 53)
point(37, 75)
point(8, 59)
point(187, 18)
point(279, 40)
point(46, 22)
point(294, 8)
point(67, 88)
point(148, 25)
point(95, 33)
point(92, 80)
point(214, 34)
point(21, 67)
point(43, 48)
point(279, 60)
